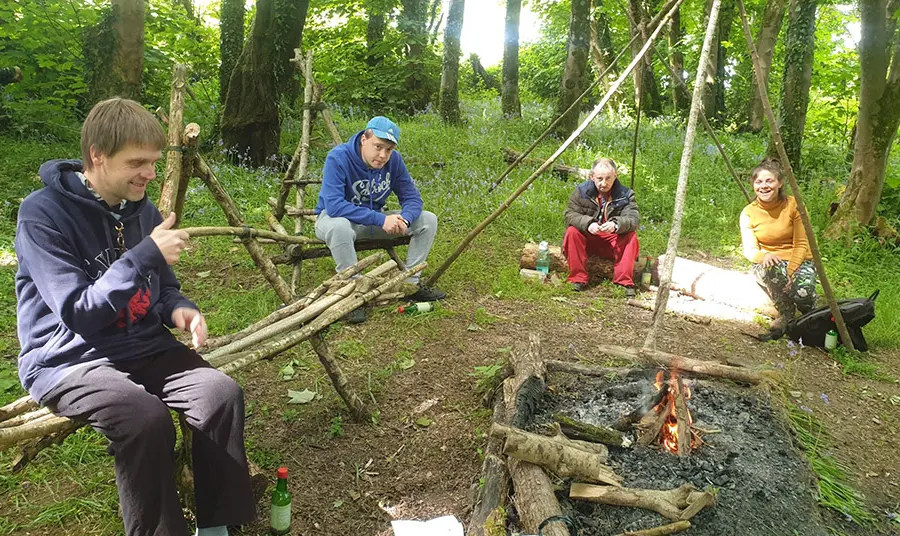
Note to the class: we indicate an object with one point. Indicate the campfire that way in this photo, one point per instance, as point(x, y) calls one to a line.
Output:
point(668, 420)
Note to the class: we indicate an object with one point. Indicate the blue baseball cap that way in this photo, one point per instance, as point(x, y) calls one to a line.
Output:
point(384, 128)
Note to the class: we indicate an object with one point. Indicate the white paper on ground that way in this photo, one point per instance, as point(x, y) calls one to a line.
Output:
point(439, 526)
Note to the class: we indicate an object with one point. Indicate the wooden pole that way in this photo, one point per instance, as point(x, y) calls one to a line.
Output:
point(795, 188)
point(506, 204)
point(189, 145)
point(304, 165)
point(341, 384)
point(174, 150)
point(576, 102)
point(696, 367)
point(665, 276)
point(233, 215)
point(248, 232)
point(324, 109)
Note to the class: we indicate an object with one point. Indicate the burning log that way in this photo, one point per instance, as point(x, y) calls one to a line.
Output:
point(664, 530)
point(625, 422)
point(652, 424)
point(671, 420)
point(678, 504)
point(589, 432)
point(566, 458)
point(685, 364)
point(683, 418)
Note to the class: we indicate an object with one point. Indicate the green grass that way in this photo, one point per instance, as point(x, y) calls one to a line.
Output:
point(854, 365)
point(221, 278)
point(835, 490)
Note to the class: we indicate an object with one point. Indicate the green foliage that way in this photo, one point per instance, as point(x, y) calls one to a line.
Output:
point(835, 490)
point(337, 426)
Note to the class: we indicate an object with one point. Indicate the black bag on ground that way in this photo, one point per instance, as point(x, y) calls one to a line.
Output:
point(812, 326)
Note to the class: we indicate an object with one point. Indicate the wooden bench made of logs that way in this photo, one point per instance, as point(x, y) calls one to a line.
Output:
point(317, 249)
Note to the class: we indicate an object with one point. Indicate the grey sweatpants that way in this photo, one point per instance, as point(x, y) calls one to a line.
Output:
point(129, 402)
point(340, 234)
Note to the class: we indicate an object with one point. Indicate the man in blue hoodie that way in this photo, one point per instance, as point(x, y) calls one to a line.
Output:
point(96, 299)
point(359, 176)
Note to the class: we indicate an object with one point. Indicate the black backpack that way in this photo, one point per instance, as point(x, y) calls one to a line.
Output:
point(812, 326)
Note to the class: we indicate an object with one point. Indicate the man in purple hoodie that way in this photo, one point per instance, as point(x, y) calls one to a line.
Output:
point(96, 299)
point(358, 178)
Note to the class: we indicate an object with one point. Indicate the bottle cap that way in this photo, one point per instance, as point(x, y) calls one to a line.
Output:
point(282, 472)
point(401, 309)
point(544, 244)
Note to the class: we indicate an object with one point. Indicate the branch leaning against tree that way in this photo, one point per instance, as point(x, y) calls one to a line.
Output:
point(795, 188)
point(546, 165)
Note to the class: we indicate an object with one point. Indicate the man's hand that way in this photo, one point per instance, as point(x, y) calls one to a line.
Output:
point(394, 224)
point(170, 241)
point(608, 227)
point(770, 260)
point(191, 321)
point(594, 228)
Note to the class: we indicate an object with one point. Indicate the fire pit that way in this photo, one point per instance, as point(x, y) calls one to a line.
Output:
point(709, 434)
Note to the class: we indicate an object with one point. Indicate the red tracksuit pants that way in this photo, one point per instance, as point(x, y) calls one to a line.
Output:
point(622, 248)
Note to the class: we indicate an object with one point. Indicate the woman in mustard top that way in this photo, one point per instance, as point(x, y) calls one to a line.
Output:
point(775, 242)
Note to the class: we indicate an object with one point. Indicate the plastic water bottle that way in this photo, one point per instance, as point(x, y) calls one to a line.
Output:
point(831, 339)
point(281, 505)
point(416, 308)
point(543, 258)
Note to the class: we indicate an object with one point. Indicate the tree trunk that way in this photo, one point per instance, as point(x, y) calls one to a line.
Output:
point(714, 98)
point(602, 52)
point(114, 52)
point(644, 81)
point(231, 40)
point(574, 81)
point(374, 33)
point(799, 45)
point(509, 89)
point(879, 115)
point(681, 100)
point(765, 45)
point(450, 75)
point(412, 26)
point(250, 127)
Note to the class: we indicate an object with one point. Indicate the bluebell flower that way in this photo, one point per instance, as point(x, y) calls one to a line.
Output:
point(806, 409)
point(824, 398)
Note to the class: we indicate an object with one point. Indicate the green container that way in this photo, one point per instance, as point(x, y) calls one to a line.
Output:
point(831, 339)
point(281, 505)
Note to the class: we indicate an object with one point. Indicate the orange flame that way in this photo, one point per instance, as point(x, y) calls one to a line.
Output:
point(670, 432)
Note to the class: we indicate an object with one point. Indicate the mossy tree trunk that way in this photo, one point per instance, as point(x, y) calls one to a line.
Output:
point(114, 52)
point(602, 52)
point(646, 90)
point(250, 127)
point(412, 25)
point(765, 46)
point(714, 98)
point(449, 99)
point(681, 100)
point(799, 46)
point(231, 40)
point(879, 114)
point(375, 9)
point(509, 88)
point(574, 80)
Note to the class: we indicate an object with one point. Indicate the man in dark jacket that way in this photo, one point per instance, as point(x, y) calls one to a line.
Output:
point(358, 178)
point(96, 299)
point(602, 218)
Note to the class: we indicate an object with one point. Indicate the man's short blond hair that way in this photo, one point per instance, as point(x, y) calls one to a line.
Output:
point(113, 124)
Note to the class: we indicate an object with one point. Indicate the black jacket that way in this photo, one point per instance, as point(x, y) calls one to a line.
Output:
point(584, 209)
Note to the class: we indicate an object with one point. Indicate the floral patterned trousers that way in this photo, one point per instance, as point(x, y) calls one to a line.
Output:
point(801, 295)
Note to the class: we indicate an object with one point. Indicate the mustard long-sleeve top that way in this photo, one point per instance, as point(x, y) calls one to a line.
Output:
point(775, 229)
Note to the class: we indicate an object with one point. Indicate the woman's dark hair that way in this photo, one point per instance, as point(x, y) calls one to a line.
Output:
point(773, 166)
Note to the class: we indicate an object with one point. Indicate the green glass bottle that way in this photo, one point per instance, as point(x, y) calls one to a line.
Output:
point(281, 505)
point(647, 275)
point(416, 308)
